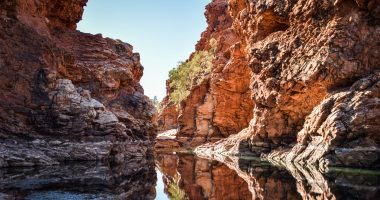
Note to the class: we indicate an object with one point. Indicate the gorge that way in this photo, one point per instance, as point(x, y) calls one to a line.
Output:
point(293, 81)
point(279, 100)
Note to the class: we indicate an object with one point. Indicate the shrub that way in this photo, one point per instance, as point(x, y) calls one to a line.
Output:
point(175, 192)
point(189, 73)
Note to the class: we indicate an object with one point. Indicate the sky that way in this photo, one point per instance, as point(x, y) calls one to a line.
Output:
point(164, 32)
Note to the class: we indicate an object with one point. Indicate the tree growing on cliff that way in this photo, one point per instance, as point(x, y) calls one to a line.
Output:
point(189, 73)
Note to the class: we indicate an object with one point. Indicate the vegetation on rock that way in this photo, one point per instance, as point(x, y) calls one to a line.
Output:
point(175, 192)
point(190, 73)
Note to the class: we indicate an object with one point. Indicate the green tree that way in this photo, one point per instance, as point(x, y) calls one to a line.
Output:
point(189, 73)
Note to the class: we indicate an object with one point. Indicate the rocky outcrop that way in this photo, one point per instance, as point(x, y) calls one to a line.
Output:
point(67, 95)
point(342, 129)
point(314, 83)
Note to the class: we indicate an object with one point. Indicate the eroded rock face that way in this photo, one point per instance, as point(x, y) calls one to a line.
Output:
point(314, 76)
point(343, 129)
point(67, 95)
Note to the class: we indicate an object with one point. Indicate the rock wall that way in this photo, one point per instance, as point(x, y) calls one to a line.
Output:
point(292, 80)
point(220, 105)
point(314, 81)
point(167, 117)
point(67, 95)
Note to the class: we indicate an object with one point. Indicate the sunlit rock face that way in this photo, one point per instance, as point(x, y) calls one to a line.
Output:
point(314, 85)
point(167, 117)
point(221, 104)
point(67, 95)
point(80, 180)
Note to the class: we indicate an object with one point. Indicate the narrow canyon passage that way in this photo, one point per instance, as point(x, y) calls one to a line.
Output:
point(213, 99)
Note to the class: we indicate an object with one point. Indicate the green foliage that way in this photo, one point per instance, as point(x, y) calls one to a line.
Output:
point(189, 73)
point(175, 192)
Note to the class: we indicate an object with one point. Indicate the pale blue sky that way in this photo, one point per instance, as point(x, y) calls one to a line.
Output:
point(162, 31)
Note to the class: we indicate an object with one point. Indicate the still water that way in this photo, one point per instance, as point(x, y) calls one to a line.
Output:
point(185, 176)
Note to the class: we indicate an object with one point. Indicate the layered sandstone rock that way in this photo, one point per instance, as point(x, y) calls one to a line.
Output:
point(220, 105)
point(67, 95)
point(314, 81)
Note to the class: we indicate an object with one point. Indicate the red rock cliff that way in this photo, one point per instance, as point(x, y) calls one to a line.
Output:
point(67, 95)
point(220, 105)
point(305, 73)
point(315, 81)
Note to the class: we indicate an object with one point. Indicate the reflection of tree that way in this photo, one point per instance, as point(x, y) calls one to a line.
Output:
point(174, 190)
point(201, 178)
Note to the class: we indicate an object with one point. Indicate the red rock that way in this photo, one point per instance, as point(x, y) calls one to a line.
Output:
point(167, 118)
point(221, 104)
point(304, 56)
point(77, 90)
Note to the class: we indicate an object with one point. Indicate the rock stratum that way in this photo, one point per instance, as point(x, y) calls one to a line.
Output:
point(293, 81)
point(67, 95)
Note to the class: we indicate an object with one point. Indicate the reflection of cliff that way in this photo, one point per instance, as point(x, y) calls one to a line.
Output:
point(81, 180)
point(280, 180)
point(264, 181)
point(336, 183)
point(310, 182)
point(201, 178)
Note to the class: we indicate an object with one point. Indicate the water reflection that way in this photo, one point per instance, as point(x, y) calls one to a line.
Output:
point(190, 177)
point(185, 176)
point(134, 179)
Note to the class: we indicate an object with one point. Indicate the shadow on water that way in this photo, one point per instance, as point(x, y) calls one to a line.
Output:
point(185, 176)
